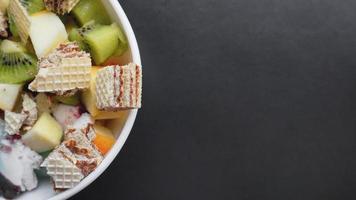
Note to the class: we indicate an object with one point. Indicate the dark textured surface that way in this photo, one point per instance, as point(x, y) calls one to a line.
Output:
point(243, 99)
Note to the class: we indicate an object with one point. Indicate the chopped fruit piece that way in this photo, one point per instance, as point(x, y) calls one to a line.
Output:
point(77, 34)
point(102, 42)
point(45, 135)
point(119, 87)
point(14, 122)
point(21, 18)
point(16, 66)
point(88, 98)
point(104, 139)
point(3, 25)
point(47, 32)
point(29, 108)
point(69, 100)
point(9, 94)
point(88, 10)
point(66, 115)
point(64, 70)
point(33, 6)
point(60, 7)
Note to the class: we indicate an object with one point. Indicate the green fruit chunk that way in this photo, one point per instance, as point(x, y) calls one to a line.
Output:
point(45, 135)
point(77, 34)
point(123, 43)
point(88, 10)
point(103, 41)
point(16, 66)
point(70, 100)
point(33, 6)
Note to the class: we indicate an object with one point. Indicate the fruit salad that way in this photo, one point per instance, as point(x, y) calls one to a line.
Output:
point(62, 78)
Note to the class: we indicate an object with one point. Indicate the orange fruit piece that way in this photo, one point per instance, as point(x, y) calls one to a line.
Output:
point(104, 139)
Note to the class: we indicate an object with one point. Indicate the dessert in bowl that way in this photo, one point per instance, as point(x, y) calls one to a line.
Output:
point(70, 87)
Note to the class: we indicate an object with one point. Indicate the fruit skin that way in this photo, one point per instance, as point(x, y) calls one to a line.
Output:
point(45, 135)
point(103, 41)
point(16, 65)
point(88, 10)
point(88, 98)
point(9, 94)
point(104, 138)
point(47, 32)
point(66, 115)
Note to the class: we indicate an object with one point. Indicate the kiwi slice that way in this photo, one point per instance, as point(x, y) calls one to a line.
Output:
point(88, 10)
point(77, 34)
point(33, 6)
point(16, 65)
point(102, 42)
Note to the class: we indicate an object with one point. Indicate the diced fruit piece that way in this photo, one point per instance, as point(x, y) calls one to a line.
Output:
point(66, 115)
point(45, 135)
point(3, 5)
point(44, 103)
point(9, 94)
point(33, 6)
point(88, 98)
point(104, 138)
point(16, 66)
point(88, 10)
point(47, 32)
point(60, 7)
point(102, 41)
point(69, 100)
point(77, 34)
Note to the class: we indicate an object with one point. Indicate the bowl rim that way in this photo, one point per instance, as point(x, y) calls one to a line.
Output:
point(111, 155)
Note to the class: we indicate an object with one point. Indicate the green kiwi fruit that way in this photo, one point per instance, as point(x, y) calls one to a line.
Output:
point(33, 6)
point(88, 10)
point(16, 65)
point(102, 42)
point(77, 34)
point(123, 43)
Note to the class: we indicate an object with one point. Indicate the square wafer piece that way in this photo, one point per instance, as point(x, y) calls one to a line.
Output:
point(119, 87)
point(65, 69)
point(21, 18)
point(3, 25)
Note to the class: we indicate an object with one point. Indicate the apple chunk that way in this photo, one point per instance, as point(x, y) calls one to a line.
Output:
point(9, 94)
point(47, 32)
point(45, 135)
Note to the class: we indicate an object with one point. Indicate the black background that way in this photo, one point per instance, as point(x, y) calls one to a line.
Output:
point(243, 99)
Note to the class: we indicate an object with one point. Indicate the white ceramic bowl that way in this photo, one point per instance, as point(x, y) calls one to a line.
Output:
point(121, 127)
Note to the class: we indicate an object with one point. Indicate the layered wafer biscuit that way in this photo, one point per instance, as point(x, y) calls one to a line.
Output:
point(21, 18)
point(65, 69)
point(29, 108)
point(13, 122)
point(60, 7)
point(64, 173)
point(119, 87)
point(3, 25)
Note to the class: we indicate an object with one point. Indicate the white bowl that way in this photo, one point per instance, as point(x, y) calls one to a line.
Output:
point(121, 127)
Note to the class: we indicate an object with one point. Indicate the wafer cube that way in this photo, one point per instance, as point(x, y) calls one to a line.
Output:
point(21, 18)
point(14, 122)
point(119, 87)
point(65, 69)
